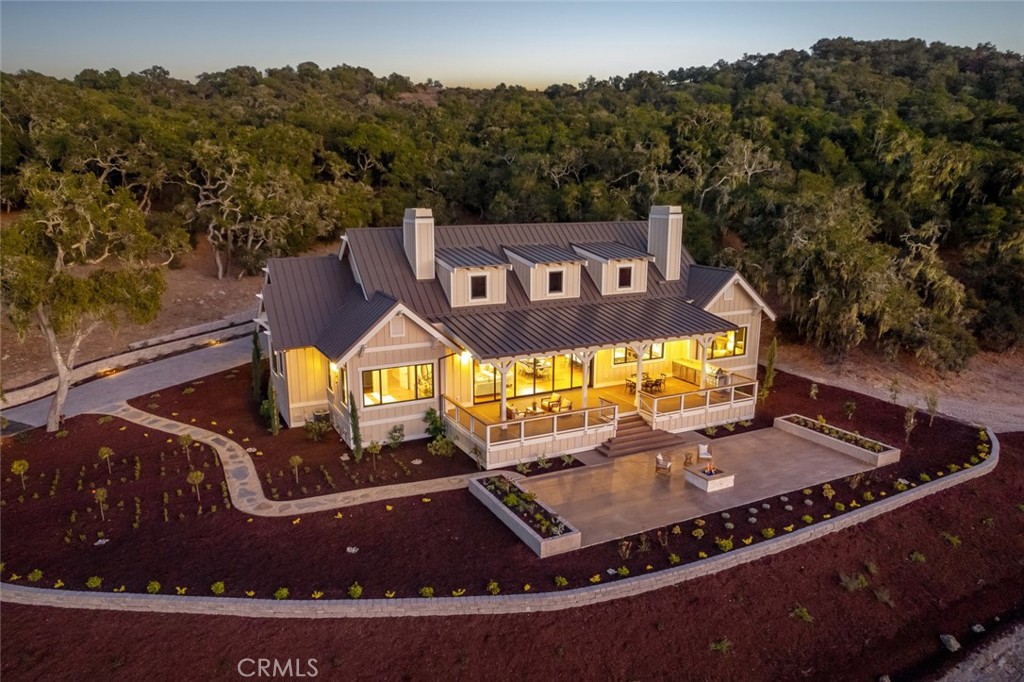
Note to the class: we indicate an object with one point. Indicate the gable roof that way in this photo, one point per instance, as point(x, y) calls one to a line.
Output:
point(612, 251)
point(705, 283)
point(303, 295)
point(351, 322)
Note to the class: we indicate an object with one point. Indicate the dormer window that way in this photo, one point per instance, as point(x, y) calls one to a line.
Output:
point(556, 281)
point(478, 287)
point(625, 277)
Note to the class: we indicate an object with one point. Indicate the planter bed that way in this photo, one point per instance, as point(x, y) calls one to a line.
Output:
point(867, 450)
point(556, 538)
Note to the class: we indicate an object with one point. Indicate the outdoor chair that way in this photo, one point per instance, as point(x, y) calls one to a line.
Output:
point(662, 465)
point(563, 405)
point(550, 404)
point(512, 413)
point(704, 450)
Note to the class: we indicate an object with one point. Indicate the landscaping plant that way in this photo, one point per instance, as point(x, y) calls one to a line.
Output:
point(194, 479)
point(396, 435)
point(105, 454)
point(257, 366)
point(19, 467)
point(909, 420)
point(357, 437)
point(185, 441)
point(295, 462)
point(769, 370)
point(101, 499)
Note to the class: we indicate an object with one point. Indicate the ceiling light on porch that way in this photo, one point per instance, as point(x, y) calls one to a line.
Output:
point(465, 357)
point(334, 368)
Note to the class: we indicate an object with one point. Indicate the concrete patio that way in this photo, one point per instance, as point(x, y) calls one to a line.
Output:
point(624, 496)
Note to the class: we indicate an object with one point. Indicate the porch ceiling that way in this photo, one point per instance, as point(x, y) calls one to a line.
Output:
point(547, 329)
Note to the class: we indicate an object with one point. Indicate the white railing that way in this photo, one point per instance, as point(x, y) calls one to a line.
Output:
point(488, 435)
point(691, 403)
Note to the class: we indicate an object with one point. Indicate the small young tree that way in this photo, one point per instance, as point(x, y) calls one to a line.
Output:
point(357, 438)
point(374, 449)
point(101, 499)
point(106, 454)
point(295, 462)
point(257, 367)
point(909, 420)
point(185, 441)
point(769, 370)
point(19, 467)
point(894, 390)
point(932, 401)
point(849, 407)
point(435, 424)
point(194, 479)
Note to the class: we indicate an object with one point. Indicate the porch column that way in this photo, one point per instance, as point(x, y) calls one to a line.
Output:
point(503, 368)
point(703, 342)
point(640, 349)
point(586, 357)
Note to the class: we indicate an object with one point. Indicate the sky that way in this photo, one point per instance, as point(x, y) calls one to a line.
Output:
point(476, 44)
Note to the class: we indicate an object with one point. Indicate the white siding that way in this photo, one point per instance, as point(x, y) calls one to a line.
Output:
point(459, 296)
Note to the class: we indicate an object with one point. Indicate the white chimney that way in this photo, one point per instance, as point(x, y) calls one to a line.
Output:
point(418, 239)
point(665, 239)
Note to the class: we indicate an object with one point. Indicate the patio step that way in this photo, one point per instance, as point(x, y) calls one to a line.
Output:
point(634, 435)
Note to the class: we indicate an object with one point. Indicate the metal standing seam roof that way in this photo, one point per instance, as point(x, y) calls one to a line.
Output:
point(706, 282)
point(544, 253)
point(351, 322)
point(509, 333)
point(303, 295)
point(613, 251)
point(469, 257)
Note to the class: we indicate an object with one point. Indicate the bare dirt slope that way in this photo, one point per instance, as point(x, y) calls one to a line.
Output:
point(193, 296)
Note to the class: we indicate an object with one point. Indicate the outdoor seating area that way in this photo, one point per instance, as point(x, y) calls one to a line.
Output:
point(648, 383)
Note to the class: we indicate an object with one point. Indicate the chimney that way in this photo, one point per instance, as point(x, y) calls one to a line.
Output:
point(665, 239)
point(418, 239)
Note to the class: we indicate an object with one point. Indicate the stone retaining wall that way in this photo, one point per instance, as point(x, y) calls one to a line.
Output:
point(517, 603)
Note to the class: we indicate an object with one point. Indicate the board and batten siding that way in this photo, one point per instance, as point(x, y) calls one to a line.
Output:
point(306, 370)
point(497, 294)
point(570, 281)
point(743, 311)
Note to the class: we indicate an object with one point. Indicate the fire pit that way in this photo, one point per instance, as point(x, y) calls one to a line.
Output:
point(708, 477)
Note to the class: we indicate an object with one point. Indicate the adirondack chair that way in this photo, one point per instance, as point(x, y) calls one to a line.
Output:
point(662, 465)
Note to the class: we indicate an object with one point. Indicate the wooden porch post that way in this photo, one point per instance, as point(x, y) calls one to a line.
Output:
point(586, 357)
point(703, 342)
point(639, 349)
point(503, 368)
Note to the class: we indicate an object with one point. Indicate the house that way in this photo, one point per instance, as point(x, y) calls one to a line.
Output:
point(529, 339)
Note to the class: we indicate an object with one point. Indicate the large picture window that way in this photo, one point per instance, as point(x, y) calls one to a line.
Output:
point(625, 355)
point(397, 384)
point(728, 345)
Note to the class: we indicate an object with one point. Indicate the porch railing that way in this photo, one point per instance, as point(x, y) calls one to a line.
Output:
point(660, 407)
point(488, 434)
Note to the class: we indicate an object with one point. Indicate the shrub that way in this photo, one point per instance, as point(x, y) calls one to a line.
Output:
point(152, 587)
point(950, 538)
point(673, 559)
point(840, 507)
point(724, 544)
point(281, 593)
point(882, 595)
point(722, 646)
point(94, 582)
point(492, 587)
point(427, 592)
point(217, 588)
point(622, 571)
point(396, 435)
point(807, 518)
point(435, 424)
point(849, 407)
point(442, 447)
point(909, 420)
point(802, 613)
point(697, 533)
point(853, 583)
point(814, 391)
point(35, 575)
point(355, 590)
point(768, 533)
point(19, 467)
point(316, 429)
point(543, 463)
point(560, 581)
point(917, 557)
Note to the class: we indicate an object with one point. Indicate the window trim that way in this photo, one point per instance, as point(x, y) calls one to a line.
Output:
point(562, 290)
point(745, 330)
point(384, 368)
point(400, 326)
point(627, 352)
point(478, 276)
point(619, 269)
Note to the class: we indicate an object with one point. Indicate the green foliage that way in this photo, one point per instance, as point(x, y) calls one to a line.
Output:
point(931, 401)
point(357, 437)
point(256, 368)
point(195, 479)
point(281, 593)
point(802, 613)
point(442, 447)
point(396, 435)
point(427, 592)
point(492, 587)
point(152, 587)
point(849, 407)
point(269, 409)
point(560, 581)
point(917, 557)
point(909, 420)
point(814, 391)
point(105, 454)
point(217, 588)
point(852, 583)
point(355, 590)
point(435, 424)
point(722, 646)
point(94, 582)
point(295, 462)
point(316, 429)
point(953, 540)
point(19, 467)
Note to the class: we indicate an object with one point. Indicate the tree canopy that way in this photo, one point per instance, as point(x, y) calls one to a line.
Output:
point(878, 186)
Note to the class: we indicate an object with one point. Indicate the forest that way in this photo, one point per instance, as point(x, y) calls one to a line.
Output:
point(874, 189)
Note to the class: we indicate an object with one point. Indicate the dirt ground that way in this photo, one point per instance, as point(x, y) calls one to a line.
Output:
point(193, 296)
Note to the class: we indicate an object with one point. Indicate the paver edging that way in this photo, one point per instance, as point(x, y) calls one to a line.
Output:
point(518, 603)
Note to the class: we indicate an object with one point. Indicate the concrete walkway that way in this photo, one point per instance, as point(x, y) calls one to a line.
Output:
point(244, 481)
point(626, 498)
point(96, 395)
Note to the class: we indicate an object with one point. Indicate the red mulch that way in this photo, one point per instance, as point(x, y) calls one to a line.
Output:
point(451, 543)
point(223, 403)
point(651, 637)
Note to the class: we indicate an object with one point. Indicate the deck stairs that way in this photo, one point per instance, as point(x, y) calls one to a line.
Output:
point(634, 435)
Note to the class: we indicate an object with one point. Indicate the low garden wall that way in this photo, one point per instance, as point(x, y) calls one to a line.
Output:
point(543, 546)
point(888, 455)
